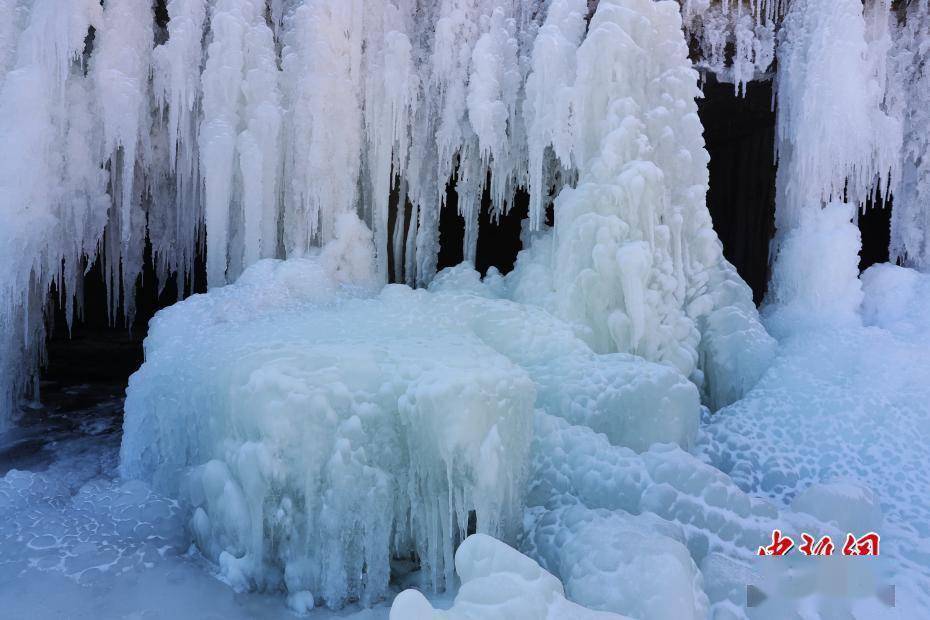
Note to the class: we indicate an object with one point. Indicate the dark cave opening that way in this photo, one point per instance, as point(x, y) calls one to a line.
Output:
point(499, 238)
point(739, 132)
point(740, 136)
point(96, 349)
point(875, 228)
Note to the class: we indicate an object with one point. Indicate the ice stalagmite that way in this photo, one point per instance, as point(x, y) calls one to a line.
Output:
point(633, 259)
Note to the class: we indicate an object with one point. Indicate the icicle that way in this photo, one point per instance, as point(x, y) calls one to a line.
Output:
point(222, 77)
point(259, 150)
point(121, 68)
point(493, 86)
point(52, 201)
point(842, 142)
point(322, 63)
point(176, 68)
point(547, 106)
point(390, 91)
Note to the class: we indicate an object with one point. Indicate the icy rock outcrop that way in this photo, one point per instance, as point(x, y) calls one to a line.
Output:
point(498, 583)
point(909, 90)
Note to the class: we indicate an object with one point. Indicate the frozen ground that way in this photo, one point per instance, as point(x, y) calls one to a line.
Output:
point(78, 542)
point(847, 403)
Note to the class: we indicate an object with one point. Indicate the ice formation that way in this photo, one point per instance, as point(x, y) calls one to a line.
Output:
point(334, 385)
point(498, 583)
point(828, 151)
point(334, 392)
point(829, 294)
point(318, 426)
point(312, 378)
point(736, 38)
point(252, 131)
point(632, 259)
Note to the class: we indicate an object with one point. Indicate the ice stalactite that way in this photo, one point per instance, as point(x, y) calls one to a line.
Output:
point(176, 69)
point(240, 128)
point(120, 69)
point(391, 83)
point(841, 144)
point(255, 125)
point(323, 70)
point(835, 151)
point(52, 191)
point(547, 105)
point(736, 38)
point(256, 128)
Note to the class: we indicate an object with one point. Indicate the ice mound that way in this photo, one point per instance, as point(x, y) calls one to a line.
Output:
point(634, 403)
point(498, 583)
point(894, 298)
point(316, 429)
point(735, 349)
point(614, 561)
point(316, 442)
